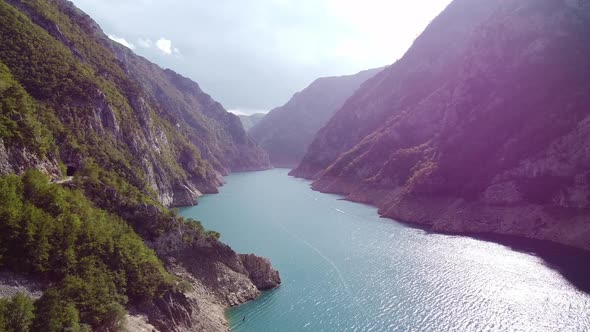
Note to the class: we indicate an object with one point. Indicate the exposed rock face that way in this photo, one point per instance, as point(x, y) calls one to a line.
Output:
point(481, 127)
point(219, 277)
point(175, 311)
point(260, 271)
point(218, 134)
point(17, 159)
point(286, 131)
point(138, 323)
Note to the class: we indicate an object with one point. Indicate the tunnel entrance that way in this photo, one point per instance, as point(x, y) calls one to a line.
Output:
point(71, 169)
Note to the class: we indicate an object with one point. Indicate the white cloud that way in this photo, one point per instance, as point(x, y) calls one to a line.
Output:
point(122, 41)
point(164, 45)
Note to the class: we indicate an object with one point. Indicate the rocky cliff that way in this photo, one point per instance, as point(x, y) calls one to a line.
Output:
point(481, 127)
point(217, 278)
point(287, 131)
point(218, 134)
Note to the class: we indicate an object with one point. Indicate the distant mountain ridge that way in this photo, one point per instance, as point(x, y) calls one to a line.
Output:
point(249, 121)
point(482, 126)
point(286, 131)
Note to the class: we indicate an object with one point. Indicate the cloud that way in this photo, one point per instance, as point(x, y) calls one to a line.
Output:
point(164, 45)
point(145, 43)
point(122, 41)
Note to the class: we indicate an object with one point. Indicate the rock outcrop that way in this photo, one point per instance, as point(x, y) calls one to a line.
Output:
point(480, 128)
point(17, 159)
point(138, 323)
point(286, 131)
point(260, 271)
point(217, 275)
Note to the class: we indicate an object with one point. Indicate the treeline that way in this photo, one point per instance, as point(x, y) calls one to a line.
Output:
point(94, 261)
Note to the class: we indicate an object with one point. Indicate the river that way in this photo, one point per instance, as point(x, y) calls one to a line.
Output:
point(345, 269)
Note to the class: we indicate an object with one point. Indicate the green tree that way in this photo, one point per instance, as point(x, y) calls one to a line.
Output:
point(93, 294)
point(56, 314)
point(17, 313)
point(3, 303)
point(115, 317)
point(95, 260)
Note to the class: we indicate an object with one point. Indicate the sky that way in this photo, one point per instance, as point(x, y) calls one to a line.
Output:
point(254, 55)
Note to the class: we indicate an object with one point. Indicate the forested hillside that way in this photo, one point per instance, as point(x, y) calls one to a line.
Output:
point(95, 144)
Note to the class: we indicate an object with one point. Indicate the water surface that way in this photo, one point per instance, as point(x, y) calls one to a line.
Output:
point(345, 269)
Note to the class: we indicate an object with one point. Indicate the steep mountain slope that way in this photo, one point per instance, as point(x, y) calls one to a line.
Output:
point(287, 131)
point(481, 127)
point(136, 139)
point(108, 101)
point(416, 75)
point(249, 121)
point(218, 134)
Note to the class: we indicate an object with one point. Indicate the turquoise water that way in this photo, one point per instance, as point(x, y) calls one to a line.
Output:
point(345, 269)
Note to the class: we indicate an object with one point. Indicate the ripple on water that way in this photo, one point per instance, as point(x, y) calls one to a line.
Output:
point(345, 269)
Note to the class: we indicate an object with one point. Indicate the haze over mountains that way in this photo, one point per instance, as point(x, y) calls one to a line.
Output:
point(286, 131)
point(249, 121)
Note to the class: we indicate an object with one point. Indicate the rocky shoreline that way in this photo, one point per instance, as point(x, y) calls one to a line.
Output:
point(215, 278)
point(457, 216)
point(211, 278)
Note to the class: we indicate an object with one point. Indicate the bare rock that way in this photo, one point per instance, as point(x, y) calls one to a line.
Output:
point(218, 277)
point(14, 283)
point(260, 271)
point(138, 323)
point(17, 159)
